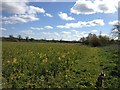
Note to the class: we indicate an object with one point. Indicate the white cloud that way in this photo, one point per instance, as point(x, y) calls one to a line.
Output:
point(41, 28)
point(69, 35)
point(3, 29)
point(18, 7)
point(19, 19)
point(32, 28)
point(34, 10)
point(83, 7)
point(64, 16)
point(14, 7)
point(49, 15)
point(48, 27)
point(114, 22)
point(115, 31)
point(104, 34)
point(23, 12)
point(27, 32)
point(79, 24)
point(94, 31)
point(96, 6)
point(66, 35)
point(105, 6)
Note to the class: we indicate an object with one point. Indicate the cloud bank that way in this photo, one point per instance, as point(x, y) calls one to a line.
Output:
point(94, 6)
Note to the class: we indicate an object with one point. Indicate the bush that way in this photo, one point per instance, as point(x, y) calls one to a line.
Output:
point(94, 40)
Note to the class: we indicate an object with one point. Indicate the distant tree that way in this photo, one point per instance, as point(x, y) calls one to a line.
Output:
point(94, 40)
point(112, 41)
point(19, 37)
point(11, 37)
point(32, 39)
point(104, 40)
point(27, 38)
point(89, 38)
point(82, 39)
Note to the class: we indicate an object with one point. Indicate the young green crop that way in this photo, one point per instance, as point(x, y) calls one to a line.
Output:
point(55, 65)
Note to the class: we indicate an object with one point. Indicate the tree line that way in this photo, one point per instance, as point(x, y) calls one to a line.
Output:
point(19, 38)
point(91, 39)
point(94, 40)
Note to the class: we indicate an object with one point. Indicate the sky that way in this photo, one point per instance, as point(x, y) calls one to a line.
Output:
point(58, 20)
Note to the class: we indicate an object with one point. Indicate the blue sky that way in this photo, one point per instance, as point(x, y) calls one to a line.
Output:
point(58, 20)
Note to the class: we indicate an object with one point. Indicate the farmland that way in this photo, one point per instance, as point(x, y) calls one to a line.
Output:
point(55, 65)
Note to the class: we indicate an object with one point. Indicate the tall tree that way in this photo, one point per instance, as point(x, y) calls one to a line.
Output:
point(27, 38)
point(11, 37)
point(19, 37)
point(32, 39)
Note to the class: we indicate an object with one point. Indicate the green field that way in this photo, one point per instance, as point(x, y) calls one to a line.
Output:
point(55, 65)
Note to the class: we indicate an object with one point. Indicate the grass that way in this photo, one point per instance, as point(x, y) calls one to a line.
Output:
point(54, 65)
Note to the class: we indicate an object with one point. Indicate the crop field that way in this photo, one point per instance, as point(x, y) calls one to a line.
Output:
point(56, 65)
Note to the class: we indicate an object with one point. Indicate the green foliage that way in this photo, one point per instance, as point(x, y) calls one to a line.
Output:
point(54, 65)
point(94, 40)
